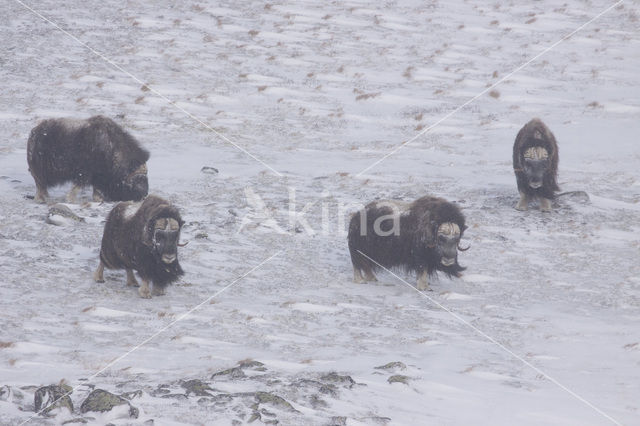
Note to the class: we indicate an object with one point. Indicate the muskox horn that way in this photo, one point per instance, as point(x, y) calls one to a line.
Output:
point(142, 170)
point(183, 244)
point(464, 249)
point(449, 228)
point(536, 153)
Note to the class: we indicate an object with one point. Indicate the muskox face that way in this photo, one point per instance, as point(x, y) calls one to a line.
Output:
point(135, 186)
point(447, 240)
point(166, 235)
point(536, 163)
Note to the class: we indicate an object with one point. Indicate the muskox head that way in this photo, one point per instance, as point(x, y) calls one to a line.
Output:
point(535, 165)
point(135, 186)
point(448, 243)
point(165, 238)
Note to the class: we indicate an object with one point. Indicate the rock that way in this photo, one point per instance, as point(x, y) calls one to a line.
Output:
point(79, 420)
point(338, 379)
point(61, 215)
point(254, 365)
point(338, 421)
point(576, 196)
point(196, 387)
point(48, 398)
point(274, 400)
point(231, 373)
point(100, 401)
point(398, 379)
point(209, 170)
point(131, 395)
point(396, 365)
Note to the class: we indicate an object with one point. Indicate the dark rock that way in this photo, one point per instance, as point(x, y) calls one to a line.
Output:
point(396, 365)
point(209, 170)
point(131, 395)
point(196, 387)
point(346, 381)
point(61, 215)
point(231, 373)
point(79, 420)
point(274, 400)
point(48, 398)
point(337, 421)
point(398, 379)
point(254, 365)
point(101, 401)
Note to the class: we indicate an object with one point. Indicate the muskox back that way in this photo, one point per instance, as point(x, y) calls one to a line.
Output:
point(415, 237)
point(131, 241)
point(96, 152)
point(535, 163)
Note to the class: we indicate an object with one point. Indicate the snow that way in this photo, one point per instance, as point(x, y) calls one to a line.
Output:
point(319, 91)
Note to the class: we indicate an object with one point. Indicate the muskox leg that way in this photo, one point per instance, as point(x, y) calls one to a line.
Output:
point(423, 281)
point(98, 274)
point(73, 194)
point(131, 279)
point(545, 204)
point(41, 195)
point(368, 275)
point(523, 204)
point(159, 291)
point(357, 276)
point(144, 291)
point(97, 196)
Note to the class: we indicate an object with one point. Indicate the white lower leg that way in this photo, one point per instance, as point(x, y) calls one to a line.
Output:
point(357, 275)
point(144, 291)
point(523, 204)
point(98, 274)
point(73, 194)
point(423, 281)
point(131, 279)
point(545, 204)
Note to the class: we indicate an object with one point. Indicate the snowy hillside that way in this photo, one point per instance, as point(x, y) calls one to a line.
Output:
point(543, 328)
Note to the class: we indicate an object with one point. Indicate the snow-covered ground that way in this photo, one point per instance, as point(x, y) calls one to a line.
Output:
point(319, 91)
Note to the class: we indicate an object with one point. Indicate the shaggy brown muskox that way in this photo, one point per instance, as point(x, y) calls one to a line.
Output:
point(420, 237)
point(96, 152)
point(143, 236)
point(535, 163)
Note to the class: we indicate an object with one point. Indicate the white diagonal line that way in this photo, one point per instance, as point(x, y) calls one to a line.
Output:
point(157, 333)
point(151, 89)
point(473, 99)
point(500, 345)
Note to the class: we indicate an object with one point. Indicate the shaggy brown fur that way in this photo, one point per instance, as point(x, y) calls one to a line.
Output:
point(536, 171)
point(417, 246)
point(96, 152)
point(139, 236)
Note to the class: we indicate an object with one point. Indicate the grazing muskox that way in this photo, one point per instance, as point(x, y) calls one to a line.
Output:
point(535, 163)
point(96, 152)
point(419, 237)
point(143, 236)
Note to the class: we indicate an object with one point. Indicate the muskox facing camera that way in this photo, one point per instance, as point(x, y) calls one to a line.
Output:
point(421, 237)
point(96, 152)
point(535, 163)
point(143, 236)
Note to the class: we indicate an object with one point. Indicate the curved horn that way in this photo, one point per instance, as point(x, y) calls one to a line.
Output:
point(464, 249)
point(183, 244)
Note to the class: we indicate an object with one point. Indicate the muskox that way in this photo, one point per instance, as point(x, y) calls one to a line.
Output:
point(143, 236)
point(96, 152)
point(421, 237)
point(535, 163)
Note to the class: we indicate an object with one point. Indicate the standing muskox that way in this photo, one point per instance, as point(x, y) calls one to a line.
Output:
point(419, 237)
point(96, 152)
point(535, 163)
point(143, 236)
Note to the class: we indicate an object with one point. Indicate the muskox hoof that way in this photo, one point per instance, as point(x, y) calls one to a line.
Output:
point(144, 292)
point(522, 207)
point(545, 205)
point(159, 291)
